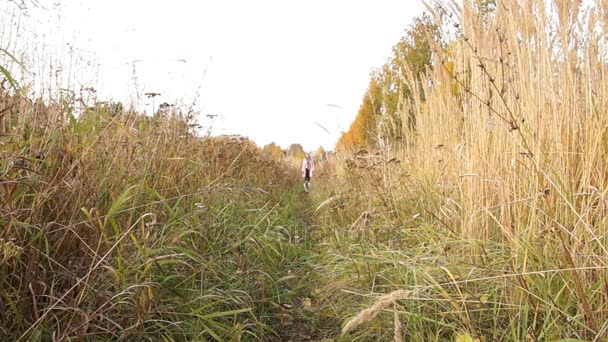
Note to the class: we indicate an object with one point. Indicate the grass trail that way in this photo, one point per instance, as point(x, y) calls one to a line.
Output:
point(484, 218)
point(302, 318)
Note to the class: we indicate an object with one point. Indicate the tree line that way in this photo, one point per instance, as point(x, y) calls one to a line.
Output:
point(383, 117)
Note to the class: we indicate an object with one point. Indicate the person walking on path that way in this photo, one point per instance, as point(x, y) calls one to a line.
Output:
point(308, 167)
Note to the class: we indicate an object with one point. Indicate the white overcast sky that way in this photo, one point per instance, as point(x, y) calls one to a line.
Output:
point(272, 66)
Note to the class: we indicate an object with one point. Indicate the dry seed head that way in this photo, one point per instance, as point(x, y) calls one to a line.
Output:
point(370, 313)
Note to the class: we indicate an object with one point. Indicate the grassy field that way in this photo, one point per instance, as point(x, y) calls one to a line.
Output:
point(485, 223)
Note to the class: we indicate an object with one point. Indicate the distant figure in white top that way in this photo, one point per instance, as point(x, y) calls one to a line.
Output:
point(308, 167)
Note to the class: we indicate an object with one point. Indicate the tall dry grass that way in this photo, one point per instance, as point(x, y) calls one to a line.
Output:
point(526, 144)
point(526, 122)
point(498, 213)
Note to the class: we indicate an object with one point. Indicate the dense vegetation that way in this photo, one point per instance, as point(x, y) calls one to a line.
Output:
point(494, 224)
point(114, 224)
point(467, 202)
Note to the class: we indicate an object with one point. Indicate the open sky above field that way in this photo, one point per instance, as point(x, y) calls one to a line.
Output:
point(283, 71)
